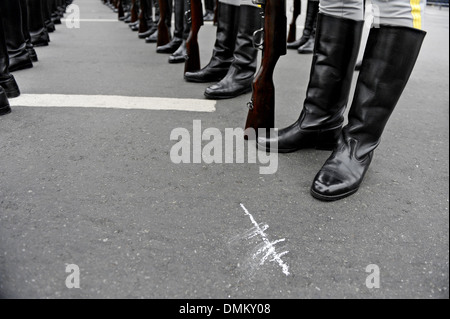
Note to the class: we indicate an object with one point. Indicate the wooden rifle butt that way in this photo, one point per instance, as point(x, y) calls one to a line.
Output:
point(163, 29)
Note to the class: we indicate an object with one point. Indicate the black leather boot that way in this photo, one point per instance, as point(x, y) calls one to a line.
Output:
point(389, 59)
point(57, 13)
point(4, 72)
point(153, 38)
point(19, 58)
point(4, 104)
point(320, 123)
point(222, 56)
point(240, 76)
point(310, 21)
point(38, 30)
point(308, 47)
point(177, 39)
point(26, 31)
point(147, 26)
point(180, 55)
point(7, 82)
point(47, 16)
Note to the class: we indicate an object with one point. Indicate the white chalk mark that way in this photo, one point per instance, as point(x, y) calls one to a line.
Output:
point(114, 102)
point(269, 246)
point(254, 233)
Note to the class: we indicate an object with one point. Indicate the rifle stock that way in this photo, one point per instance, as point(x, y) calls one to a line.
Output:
point(292, 36)
point(134, 11)
point(163, 29)
point(195, 19)
point(261, 113)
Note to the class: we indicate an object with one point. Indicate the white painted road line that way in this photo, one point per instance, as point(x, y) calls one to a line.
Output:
point(114, 102)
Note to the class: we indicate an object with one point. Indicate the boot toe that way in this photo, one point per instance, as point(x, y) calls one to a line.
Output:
point(219, 91)
point(328, 186)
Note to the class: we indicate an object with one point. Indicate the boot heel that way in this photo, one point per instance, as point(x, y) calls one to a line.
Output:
point(10, 87)
point(326, 140)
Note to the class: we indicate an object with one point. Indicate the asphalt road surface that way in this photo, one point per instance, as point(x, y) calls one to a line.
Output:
point(95, 189)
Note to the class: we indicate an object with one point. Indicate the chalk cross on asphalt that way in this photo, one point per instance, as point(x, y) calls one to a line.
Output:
point(269, 247)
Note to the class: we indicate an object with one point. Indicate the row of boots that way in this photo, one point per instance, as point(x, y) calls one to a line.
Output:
point(390, 55)
point(142, 16)
point(24, 24)
point(233, 62)
point(305, 44)
point(234, 58)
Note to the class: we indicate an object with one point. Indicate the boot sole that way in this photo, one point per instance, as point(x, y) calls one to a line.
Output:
point(334, 198)
point(21, 67)
point(5, 110)
point(293, 150)
point(12, 94)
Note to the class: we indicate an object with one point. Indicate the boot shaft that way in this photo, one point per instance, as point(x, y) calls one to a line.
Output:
point(4, 59)
point(12, 23)
point(245, 54)
point(336, 49)
point(180, 8)
point(312, 12)
point(389, 59)
point(226, 34)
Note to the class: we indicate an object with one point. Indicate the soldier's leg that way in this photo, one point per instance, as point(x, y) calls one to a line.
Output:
point(26, 30)
point(4, 72)
point(7, 82)
point(239, 77)
point(222, 56)
point(309, 32)
point(177, 39)
point(336, 49)
point(38, 30)
point(47, 16)
point(154, 37)
point(391, 53)
point(311, 18)
point(405, 13)
point(348, 9)
point(209, 10)
point(148, 25)
point(179, 56)
point(19, 58)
